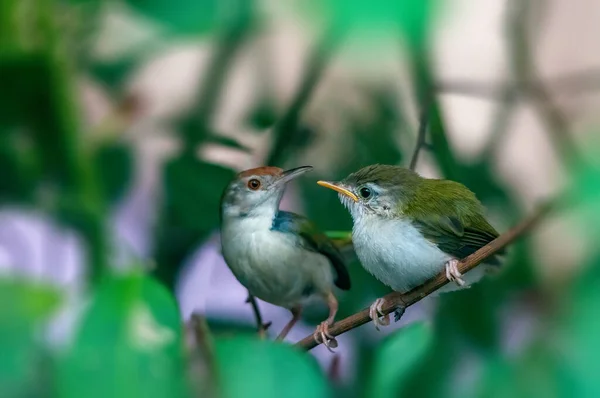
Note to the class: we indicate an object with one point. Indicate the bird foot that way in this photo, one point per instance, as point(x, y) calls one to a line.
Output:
point(453, 274)
point(322, 336)
point(398, 312)
point(376, 313)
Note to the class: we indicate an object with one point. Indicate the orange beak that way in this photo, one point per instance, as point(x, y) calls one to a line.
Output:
point(339, 189)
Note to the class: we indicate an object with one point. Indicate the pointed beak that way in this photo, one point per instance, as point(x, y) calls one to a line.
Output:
point(290, 174)
point(337, 187)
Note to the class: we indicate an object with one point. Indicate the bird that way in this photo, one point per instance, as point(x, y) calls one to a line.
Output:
point(407, 229)
point(279, 256)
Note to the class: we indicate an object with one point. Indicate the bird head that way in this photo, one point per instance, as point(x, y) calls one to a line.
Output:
point(258, 191)
point(378, 190)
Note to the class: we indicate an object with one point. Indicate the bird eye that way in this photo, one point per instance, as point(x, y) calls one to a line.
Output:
point(365, 192)
point(254, 184)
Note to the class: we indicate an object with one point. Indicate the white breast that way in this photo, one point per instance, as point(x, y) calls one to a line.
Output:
point(396, 253)
point(271, 265)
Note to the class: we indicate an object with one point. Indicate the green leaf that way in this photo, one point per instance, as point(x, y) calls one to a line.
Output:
point(190, 17)
point(396, 357)
point(412, 16)
point(532, 375)
point(129, 343)
point(190, 210)
point(249, 367)
point(228, 142)
point(578, 341)
point(25, 307)
point(114, 163)
point(114, 74)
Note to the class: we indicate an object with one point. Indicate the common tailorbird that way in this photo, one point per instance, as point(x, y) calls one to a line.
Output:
point(408, 228)
point(279, 256)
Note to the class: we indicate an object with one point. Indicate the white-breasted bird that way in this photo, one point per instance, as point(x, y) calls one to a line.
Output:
point(408, 228)
point(279, 256)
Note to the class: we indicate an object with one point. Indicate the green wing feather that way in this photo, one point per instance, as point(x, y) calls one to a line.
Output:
point(449, 215)
point(313, 239)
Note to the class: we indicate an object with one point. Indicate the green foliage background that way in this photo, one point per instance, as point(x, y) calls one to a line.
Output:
point(131, 341)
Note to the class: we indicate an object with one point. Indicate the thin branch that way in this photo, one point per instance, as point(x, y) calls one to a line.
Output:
point(421, 142)
point(395, 300)
point(260, 325)
point(203, 360)
point(526, 73)
point(501, 121)
point(583, 82)
point(285, 130)
point(228, 46)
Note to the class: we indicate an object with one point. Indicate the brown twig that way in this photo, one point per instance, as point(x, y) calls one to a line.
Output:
point(260, 325)
point(395, 300)
point(421, 142)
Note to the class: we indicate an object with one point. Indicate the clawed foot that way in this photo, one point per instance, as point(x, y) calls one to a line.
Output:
point(376, 313)
point(322, 336)
point(453, 274)
point(398, 312)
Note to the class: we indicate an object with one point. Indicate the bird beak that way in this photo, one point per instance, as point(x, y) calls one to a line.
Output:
point(292, 173)
point(336, 187)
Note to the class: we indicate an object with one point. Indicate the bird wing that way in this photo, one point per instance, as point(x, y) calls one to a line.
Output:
point(314, 240)
point(454, 220)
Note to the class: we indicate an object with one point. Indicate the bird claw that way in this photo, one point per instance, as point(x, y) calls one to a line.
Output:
point(322, 336)
point(453, 274)
point(377, 315)
point(398, 312)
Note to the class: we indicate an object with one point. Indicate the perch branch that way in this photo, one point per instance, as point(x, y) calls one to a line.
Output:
point(394, 300)
point(260, 325)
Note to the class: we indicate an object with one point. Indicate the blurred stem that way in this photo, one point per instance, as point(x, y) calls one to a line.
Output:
point(285, 130)
point(424, 87)
point(211, 87)
point(500, 121)
point(421, 141)
point(81, 192)
point(522, 56)
point(204, 351)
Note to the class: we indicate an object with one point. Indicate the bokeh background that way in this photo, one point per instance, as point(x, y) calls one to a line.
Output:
point(122, 121)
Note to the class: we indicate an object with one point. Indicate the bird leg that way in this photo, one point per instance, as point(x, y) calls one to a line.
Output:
point(296, 312)
point(452, 272)
point(376, 313)
point(322, 335)
point(262, 327)
point(379, 319)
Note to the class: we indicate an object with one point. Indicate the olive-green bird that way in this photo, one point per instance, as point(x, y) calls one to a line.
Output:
point(408, 228)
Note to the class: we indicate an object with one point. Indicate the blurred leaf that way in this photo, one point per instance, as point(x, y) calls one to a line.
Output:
point(196, 16)
point(129, 343)
point(18, 161)
point(190, 210)
point(412, 16)
point(228, 142)
point(396, 357)
point(263, 115)
point(113, 74)
point(25, 306)
point(579, 343)
point(249, 367)
point(114, 163)
point(534, 374)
